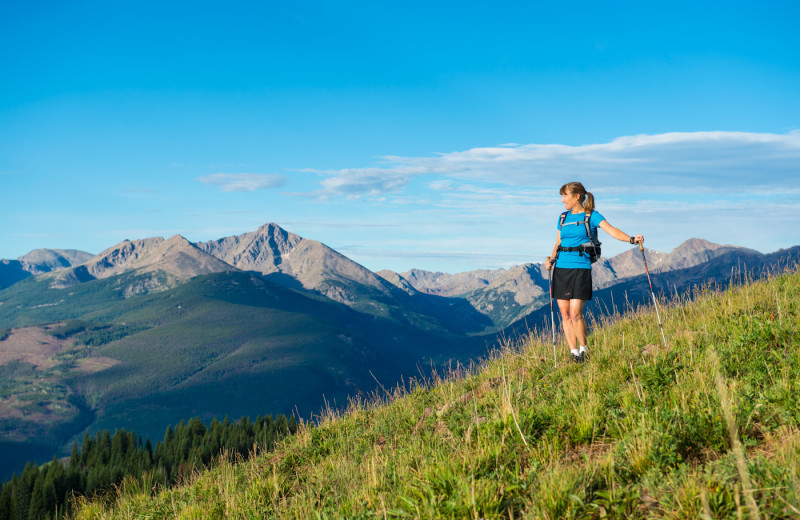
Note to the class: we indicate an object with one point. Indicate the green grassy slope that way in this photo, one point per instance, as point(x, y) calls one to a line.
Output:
point(709, 425)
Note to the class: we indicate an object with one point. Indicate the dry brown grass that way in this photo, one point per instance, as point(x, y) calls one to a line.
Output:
point(31, 345)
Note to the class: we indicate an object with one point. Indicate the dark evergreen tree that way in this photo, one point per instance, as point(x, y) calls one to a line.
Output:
point(5, 502)
point(23, 490)
point(104, 460)
point(39, 504)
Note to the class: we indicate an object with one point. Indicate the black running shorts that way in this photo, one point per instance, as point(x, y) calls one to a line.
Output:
point(572, 284)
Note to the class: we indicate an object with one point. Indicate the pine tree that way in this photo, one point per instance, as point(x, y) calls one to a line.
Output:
point(55, 489)
point(5, 502)
point(37, 507)
point(105, 448)
point(86, 449)
point(23, 489)
point(74, 457)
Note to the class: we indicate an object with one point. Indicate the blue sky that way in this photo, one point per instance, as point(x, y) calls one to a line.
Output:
point(403, 134)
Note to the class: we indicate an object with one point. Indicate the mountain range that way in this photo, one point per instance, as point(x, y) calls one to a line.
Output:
point(152, 331)
point(509, 295)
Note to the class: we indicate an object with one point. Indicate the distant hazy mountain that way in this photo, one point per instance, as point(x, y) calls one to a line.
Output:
point(37, 262)
point(41, 261)
point(694, 251)
point(444, 284)
point(502, 295)
point(506, 296)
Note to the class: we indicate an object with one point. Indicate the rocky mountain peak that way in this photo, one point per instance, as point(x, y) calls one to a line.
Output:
point(41, 261)
point(262, 250)
point(694, 246)
point(181, 258)
point(271, 250)
point(318, 267)
point(121, 257)
point(175, 256)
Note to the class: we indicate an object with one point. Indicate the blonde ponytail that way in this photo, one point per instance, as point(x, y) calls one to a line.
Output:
point(588, 206)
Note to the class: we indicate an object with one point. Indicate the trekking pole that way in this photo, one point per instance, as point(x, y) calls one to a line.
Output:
point(552, 318)
point(653, 294)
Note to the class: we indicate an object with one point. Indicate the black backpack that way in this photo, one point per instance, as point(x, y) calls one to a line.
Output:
point(590, 248)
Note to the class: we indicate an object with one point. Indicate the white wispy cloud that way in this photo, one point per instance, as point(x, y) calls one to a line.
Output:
point(356, 182)
point(365, 182)
point(243, 181)
point(664, 163)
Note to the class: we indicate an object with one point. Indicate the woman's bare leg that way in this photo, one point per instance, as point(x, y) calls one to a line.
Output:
point(567, 323)
point(579, 328)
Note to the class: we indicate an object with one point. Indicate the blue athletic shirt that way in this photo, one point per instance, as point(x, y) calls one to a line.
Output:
point(574, 235)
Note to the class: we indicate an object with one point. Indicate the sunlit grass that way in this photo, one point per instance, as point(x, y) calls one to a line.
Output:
point(709, 425)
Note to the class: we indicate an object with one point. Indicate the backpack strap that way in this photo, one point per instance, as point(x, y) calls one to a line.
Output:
point(561, 219)
point(564, 217)
point(586, 219)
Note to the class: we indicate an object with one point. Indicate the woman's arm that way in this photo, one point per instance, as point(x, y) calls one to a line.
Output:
point(548, 264)
point(619, 235)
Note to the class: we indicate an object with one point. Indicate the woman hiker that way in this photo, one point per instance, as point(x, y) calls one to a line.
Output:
point(572, 276)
